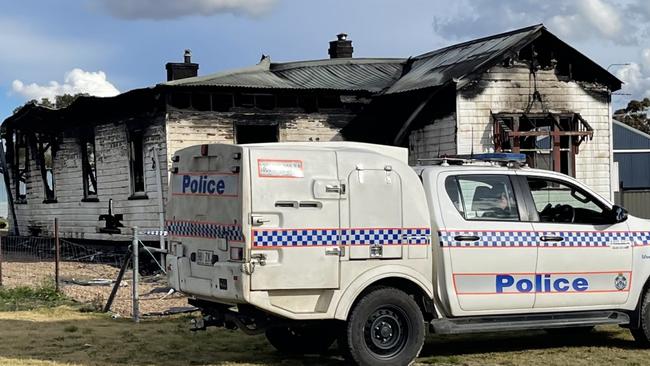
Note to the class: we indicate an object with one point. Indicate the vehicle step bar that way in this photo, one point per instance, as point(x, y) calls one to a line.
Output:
point(527, 321)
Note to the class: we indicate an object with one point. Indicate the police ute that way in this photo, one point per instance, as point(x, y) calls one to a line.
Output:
point(310, 243)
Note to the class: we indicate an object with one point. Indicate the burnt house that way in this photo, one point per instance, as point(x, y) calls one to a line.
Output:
point(523, 91)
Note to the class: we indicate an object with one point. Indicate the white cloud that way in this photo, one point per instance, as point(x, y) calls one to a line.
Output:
point(76, 81)
point(574, 20)
point(171, 9)
point(636, 77)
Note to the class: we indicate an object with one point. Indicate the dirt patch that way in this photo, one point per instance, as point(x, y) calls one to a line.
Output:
point(154, 290)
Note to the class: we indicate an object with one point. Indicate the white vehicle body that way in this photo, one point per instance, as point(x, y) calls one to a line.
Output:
point(300, 231)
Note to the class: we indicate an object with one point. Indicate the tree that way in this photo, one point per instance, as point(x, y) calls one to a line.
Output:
point(60, 101)
point(635, 114)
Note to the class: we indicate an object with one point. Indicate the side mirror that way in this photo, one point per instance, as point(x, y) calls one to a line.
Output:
point(619, 214)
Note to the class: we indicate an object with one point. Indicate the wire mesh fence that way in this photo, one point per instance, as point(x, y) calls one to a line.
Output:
point(86, 274)
point(31, 261)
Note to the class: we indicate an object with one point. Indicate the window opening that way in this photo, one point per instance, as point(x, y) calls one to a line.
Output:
point(483, 197)
point(89, 166)
point(549, 140)
point(250, 134)
point(136, 161)
point(21, 163)
point(46, 155)
point(559, 202)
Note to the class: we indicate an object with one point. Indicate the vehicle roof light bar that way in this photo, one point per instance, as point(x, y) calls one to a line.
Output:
point(510, 159)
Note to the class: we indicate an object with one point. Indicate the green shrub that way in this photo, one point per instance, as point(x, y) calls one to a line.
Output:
point(28, 298)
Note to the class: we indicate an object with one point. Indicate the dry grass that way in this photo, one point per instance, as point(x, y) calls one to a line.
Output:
point(34, 274)
point(63, 336)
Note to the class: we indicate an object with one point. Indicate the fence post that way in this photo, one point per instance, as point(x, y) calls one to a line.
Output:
point(57, 253)
point(135, 248)
point(0, 261)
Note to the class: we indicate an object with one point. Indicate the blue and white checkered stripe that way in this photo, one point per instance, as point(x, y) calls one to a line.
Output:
point(315, 237)
point(489, 239)
point(583, 239)
point(641, 238)
point(296, 237)
point(205, 230)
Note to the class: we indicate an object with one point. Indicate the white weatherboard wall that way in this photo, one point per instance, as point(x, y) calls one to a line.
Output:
point(503, 89)
point(189, 128)
point(78, 219)
point(433, 140)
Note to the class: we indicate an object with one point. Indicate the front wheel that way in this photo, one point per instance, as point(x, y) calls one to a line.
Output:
point(386, 327)
point(642, 334)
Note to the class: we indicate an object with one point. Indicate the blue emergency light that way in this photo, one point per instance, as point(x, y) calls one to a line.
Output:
point(501, 157)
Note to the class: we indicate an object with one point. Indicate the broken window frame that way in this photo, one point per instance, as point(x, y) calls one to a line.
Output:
point(45, 145)
point(20, 168)
point(89, 166)
point(136, 156)
point(566, 131)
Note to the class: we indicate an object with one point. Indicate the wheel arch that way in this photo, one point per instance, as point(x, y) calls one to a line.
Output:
point(635, 316)
point(400, 277)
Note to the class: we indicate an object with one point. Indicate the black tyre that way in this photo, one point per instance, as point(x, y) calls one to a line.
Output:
point(570, 330)
point(306, 339)
point(642, 334)
point(386, 327)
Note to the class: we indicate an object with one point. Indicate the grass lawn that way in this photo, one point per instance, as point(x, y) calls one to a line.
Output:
point(65, 336)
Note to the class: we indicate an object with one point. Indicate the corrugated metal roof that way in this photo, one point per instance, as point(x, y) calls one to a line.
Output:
point(372, 75)
point(388, 76)
point(454, 62)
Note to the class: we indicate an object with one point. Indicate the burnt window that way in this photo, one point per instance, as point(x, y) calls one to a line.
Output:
point(180, 100)
point(308, 103)
point(136, 163)
point(46, 153)
point(201, 101)
point(222, 102)
point(329, 101)
point(549, 140)
point(250, 134)
point(89, 166)
point(21, 166)
point(287, 101)
point(244, 100)
point(265, 101)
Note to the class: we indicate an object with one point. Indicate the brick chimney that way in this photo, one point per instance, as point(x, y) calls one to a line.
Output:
point(341, 48)
point(182, 70)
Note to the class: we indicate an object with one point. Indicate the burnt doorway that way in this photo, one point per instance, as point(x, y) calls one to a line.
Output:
point(251, 134)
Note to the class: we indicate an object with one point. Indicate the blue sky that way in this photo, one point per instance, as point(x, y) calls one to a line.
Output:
point(109, 46)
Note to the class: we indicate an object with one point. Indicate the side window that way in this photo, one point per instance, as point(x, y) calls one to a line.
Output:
point(483, 197)
point(557, 201)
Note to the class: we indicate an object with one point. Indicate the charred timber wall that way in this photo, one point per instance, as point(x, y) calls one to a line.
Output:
point(509, 89)
point(79, 218)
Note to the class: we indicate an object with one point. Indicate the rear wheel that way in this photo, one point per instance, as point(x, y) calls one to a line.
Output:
point(386, 327)
point(303, 339)
point(642, 334)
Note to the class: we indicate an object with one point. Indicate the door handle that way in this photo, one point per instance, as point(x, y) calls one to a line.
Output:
point(258, 221)
point(551, 238)
point(330, 188)
point(466, 238)
point(334, 251)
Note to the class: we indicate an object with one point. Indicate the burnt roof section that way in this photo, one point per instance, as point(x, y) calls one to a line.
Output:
point(129, 105)
point(350, 74)
point(461, 61)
